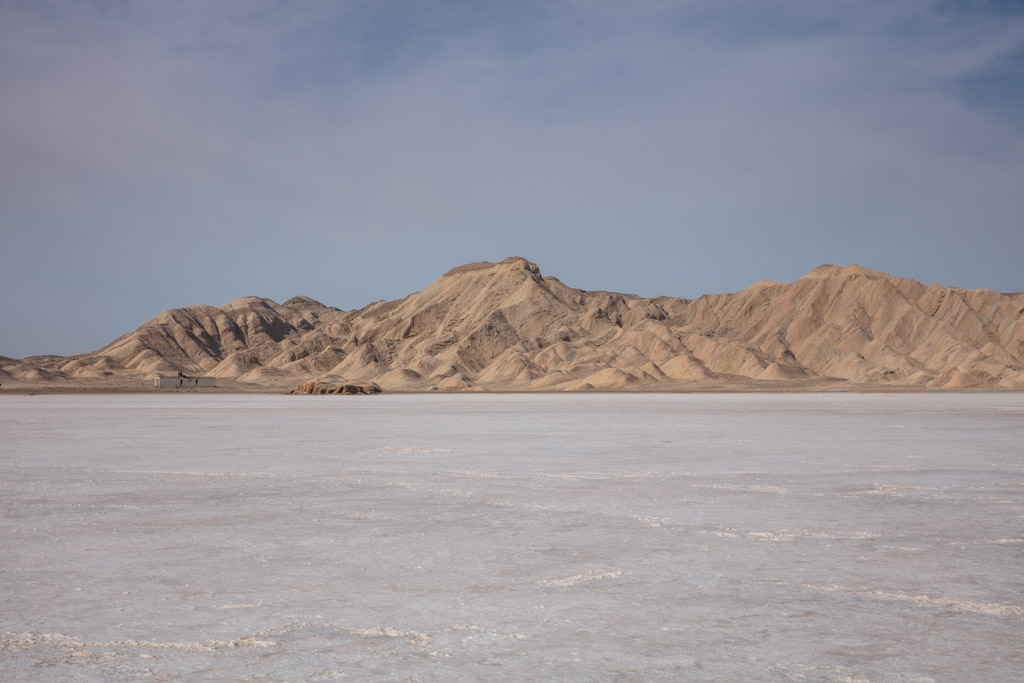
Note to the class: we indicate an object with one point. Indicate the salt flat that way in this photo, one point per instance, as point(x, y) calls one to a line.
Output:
point(829, 537)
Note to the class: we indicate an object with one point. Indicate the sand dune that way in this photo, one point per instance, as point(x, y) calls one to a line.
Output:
point(505, 326)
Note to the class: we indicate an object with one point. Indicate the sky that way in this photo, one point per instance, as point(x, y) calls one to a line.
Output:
point(157, 155)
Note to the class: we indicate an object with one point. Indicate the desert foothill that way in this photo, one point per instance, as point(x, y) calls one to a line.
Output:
point(433, 341)
point(507, 327)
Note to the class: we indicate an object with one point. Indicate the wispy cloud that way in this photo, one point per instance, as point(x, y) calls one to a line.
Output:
point(355, 150)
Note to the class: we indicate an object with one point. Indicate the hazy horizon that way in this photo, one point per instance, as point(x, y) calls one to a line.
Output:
point(156, 156)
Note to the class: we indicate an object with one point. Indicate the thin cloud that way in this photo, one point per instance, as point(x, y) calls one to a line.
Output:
point(656, 147)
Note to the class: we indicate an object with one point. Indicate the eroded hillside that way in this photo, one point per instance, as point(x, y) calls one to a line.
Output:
point(505, 326)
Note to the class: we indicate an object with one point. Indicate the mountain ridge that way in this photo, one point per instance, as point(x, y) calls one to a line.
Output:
point(506, 326)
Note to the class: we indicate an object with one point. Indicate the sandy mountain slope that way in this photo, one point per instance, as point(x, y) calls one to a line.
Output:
point(504, 326)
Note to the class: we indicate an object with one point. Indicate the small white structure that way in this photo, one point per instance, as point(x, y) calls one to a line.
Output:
point(180, 381)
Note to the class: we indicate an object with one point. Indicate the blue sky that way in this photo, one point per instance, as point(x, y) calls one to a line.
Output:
point(157, 155)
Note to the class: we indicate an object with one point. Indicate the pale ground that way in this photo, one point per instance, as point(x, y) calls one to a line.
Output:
point(648, 537)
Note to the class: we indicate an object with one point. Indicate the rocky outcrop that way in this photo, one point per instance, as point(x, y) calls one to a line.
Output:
point(505, 326)
point(321, 388)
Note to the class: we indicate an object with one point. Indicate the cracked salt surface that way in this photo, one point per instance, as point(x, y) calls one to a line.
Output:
point(517, 537)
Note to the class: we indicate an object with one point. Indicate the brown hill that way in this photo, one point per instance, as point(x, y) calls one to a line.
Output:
point(504, 326)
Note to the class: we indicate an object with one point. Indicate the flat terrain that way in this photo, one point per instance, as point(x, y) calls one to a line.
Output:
point(816, 537)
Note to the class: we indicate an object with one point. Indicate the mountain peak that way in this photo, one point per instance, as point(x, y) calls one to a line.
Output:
point(510, 264)
point(829, 270)
point(247, 301)
point(301, 301)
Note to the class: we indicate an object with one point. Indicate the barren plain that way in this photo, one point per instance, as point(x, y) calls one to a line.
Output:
point(574, 537)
